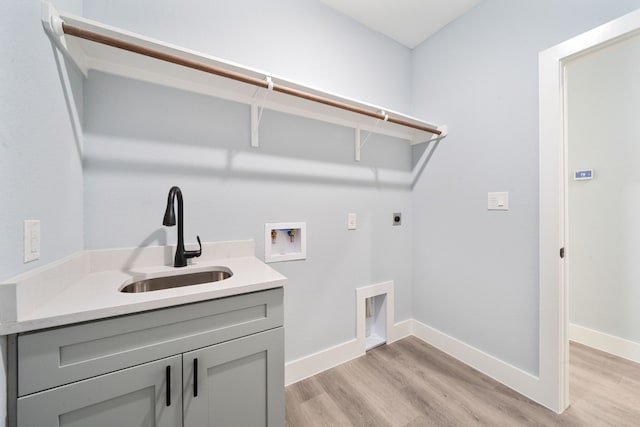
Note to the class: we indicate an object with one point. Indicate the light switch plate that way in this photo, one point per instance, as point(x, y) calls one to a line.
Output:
point(498, 201)
point(31, 240)
point(352, 221)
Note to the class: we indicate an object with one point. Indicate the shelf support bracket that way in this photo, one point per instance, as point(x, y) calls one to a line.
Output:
point(358, 143)
point(256, 114)
point(255, 125)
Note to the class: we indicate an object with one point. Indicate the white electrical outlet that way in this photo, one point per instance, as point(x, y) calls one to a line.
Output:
point(352, 221)
point(31, 240)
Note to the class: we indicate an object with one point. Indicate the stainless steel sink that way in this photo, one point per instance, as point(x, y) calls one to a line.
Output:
point(167, 282)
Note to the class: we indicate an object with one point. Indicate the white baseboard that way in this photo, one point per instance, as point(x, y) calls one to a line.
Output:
point(617, 346)
point(509, 375)
point(313, 364)
point(400, 330)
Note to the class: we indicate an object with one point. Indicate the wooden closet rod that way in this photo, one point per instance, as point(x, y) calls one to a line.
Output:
point(174, 59)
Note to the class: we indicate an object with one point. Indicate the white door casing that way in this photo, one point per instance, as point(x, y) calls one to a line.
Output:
point(554, 371)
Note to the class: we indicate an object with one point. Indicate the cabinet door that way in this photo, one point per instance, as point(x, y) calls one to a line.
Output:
point(236, 383)
point(131, 397)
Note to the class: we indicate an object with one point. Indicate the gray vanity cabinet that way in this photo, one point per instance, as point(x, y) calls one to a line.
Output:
point(130, 397)
point(239, 383)
point(139, 369)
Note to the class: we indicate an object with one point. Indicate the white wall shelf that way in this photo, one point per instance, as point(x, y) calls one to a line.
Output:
point(193, 72)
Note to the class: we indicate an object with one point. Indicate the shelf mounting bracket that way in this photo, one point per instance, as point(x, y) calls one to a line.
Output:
point(256, 113)
point(359, 143)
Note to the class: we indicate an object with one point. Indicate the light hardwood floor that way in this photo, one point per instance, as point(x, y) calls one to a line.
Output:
point(410, 383)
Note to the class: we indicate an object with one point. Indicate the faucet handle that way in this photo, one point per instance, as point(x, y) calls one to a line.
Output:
point(194, 254)
point(199, 251)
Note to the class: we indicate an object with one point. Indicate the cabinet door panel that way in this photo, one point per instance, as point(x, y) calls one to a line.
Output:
point(239, 382)
point(130, 397)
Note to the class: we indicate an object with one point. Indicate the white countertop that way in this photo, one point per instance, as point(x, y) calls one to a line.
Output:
point(86, 286)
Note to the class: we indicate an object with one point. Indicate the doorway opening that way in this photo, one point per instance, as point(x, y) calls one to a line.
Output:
point(555, 173)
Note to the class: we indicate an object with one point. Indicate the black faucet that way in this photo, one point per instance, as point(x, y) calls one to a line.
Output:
point(170, 220)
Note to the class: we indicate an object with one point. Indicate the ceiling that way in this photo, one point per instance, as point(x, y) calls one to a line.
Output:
point(408, 22)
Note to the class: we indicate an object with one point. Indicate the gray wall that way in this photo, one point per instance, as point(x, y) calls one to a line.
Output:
point(141, 139)
point(40, 166)
point(40, 163)
point(603, 99)
point(475, 271)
